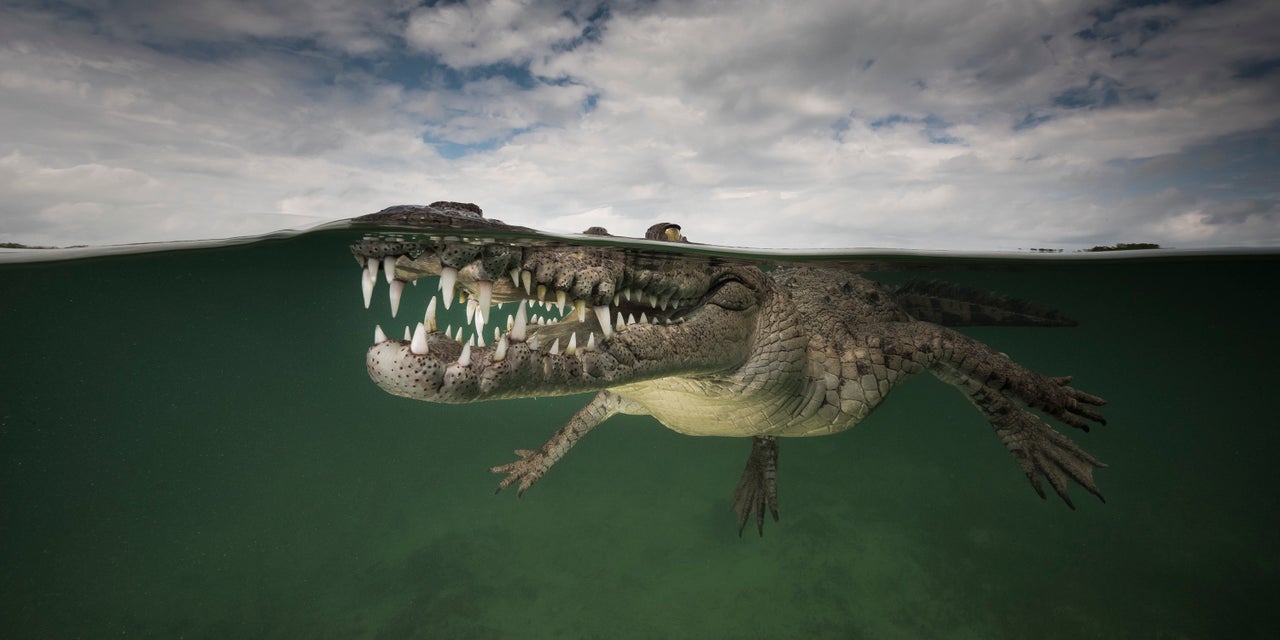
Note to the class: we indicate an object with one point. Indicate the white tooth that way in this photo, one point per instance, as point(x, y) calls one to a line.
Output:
point(654, 320)
point(616, 298)
point(459, 336)
point(471, 310)
point(542, 292)
point(366, 287)
point(486, 297)
point(389, 268)
point(533, 341)
point(397, 290)
point(560, 299)
point(526, 277)
point(471, 342)
point(664, 303)
point(511, 322)
point(430, 317)
point(520, 323)
point(464, 360)
point(555, 347)
point(448, 330)
point(501, 305)
point(620, 323)
point(496, 333)
point(480, 322)
point(371, 267)
point(626, 294)
point(572, 346)
point(448, 279)
point(675, 304)
point(581, 307)
point(591, 342)
point(500, 351)
point(643, 319)
point(515, 276)
point(653, 300)
point(407, 335)
point(631, 318)
point(602, 317)
point(378, 336)
point(479, 339)
point(419, 343)
point(415, 281)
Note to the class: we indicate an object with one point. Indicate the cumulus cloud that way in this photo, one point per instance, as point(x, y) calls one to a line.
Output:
point(941, 124)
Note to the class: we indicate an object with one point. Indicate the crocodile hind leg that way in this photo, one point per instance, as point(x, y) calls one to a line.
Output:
point(758, 487)
point(533, 464)
point(1041, 452)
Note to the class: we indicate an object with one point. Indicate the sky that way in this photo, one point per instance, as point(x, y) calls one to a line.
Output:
point(929, 124)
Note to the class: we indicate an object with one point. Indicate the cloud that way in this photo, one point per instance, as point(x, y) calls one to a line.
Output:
point(940, 124)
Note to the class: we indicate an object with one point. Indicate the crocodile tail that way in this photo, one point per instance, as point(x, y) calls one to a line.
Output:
point(956, 306)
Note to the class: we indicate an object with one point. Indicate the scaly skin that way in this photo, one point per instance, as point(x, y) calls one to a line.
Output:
point(793, 352)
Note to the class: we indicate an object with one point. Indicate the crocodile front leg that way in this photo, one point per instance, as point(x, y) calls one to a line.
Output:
point(758, 486)
point(533, 464)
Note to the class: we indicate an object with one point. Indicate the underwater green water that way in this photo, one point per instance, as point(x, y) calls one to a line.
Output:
point(190, 448)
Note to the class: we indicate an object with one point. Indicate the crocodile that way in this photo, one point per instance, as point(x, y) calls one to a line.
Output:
point(706, 346)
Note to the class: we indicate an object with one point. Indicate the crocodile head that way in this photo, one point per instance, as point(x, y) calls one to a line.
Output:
point(623, 316)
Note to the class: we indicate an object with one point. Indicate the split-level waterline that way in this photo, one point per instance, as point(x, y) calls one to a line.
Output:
point(543, 318)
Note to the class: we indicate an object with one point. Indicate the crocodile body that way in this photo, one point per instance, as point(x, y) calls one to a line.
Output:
point(706, 347)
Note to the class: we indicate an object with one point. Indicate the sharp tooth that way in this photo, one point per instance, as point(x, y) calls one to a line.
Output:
point(675, 304)
point(620, 323)
point(521, 322)
point(389, 268)
point(448, 279)
point(496, 333)
point(366, 287)
point(459, 336)
point(378, 335)
point(480, 322)
point(533, 341)
point(654, 320)
point(515, 276)
point(643, 319)
point(471, 310)
point(653, 300)
point(591, 342)
point(511, 322)
point(486, 297)
point(631, 318)
point(371, 267)
point(560, 299)
point(617, 298)
point(407, 335)
point(664, 303)
point(626, 295)
point(526, 277)
point(500, 351)
point(419, 343)
point(542, 292)
point(581, 307)
point(397, 290)
point(448, 330)
point(602, 318)
point(572, 347)
point(430, 317)
point(555, 347)
point(464, 360)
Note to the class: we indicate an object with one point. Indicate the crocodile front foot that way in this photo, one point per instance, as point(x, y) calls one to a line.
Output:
point(758, 486)
point(526, 471)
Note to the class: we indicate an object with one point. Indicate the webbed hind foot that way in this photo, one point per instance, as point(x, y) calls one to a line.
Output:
point(758, 487)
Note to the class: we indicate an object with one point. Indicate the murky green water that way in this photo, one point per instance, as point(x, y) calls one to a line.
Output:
point(190, 447)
